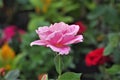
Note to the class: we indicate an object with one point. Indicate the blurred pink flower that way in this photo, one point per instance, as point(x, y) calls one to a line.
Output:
point(58, 37)
point(21, 32)
point(9, 32)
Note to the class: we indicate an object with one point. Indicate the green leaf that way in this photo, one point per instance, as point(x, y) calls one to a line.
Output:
point(17, 60)
point(93, 23)
point(111, 16)
point(114, 69)
point(1, 3)
point(36, 3)
point(67, 6)
point(113, 43)
point(97, 12)
point(114, 39)
point(116, 56)
point(108, 50)
point(90, 5)
point(70, 76)
point(57, 5)
point(70, 8)
point(63, 19)
point(58, 64)
point(36, 22)
point(68, 61)
point(12, 75)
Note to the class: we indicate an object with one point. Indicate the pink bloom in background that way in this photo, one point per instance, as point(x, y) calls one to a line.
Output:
point(9, 32)
point(58, 37)
point(21, 32)
point(82, 27)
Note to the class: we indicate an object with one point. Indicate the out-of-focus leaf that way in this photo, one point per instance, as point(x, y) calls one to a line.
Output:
point(90, 37)
point(116, 56)
point(93, 23)
point(1, 3)
point(108, 14)
point(113, 43)
point(111, 16)
point(17, 60)
point(36, 22)
point(36, 3)
point(114, 39)
point(67, 6)
point(57, 5)
point(70, 76)
point(114, 69)
point(58, 64)
point(12, 75)
point(70, 8)
point(67, 61)
point(90, 5)
point(63, 18)
point(98, 11)
point(108, 50)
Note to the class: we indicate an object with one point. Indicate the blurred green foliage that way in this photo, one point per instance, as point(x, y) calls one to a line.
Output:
point(103, 30)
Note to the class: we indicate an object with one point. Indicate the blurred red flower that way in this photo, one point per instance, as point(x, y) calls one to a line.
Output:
point(2, 71)
point(82, 27)
point(96, 57)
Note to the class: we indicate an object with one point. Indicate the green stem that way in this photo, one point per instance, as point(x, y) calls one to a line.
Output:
point(58, 64)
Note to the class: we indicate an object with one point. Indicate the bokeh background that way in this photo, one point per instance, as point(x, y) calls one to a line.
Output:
point(99, 22)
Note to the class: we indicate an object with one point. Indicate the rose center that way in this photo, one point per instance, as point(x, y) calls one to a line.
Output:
point(59, 45)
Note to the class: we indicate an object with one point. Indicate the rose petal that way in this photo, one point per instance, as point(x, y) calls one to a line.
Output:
point(54, 37)
point(37, 42)
point(77, 39)
point(73, 29)
point(62, 50)
point(43, 32)
point(59, 26)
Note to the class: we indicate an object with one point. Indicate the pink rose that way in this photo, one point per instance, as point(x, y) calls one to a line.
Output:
point(58, 37)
